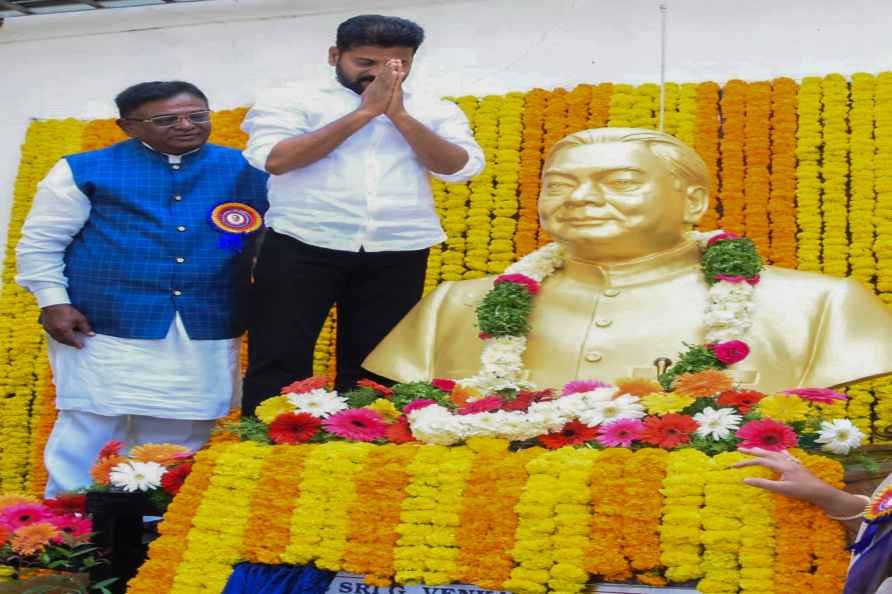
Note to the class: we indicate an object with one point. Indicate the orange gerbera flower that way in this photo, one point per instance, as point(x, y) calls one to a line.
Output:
point(162, 453)
point(32, 538)
point(461, 396)
point(702, 383)
point(101, 470)
point(637, 387)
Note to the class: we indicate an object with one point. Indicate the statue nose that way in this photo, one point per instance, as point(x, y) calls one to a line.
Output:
point(588, 192)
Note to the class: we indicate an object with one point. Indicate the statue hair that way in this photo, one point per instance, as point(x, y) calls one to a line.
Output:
point(682, 160)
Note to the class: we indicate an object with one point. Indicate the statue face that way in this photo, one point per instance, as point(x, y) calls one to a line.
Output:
point(613, 201)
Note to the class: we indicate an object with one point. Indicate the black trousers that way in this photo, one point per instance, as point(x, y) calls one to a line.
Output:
point(295, 285)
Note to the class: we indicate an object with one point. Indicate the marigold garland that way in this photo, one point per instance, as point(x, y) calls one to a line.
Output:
point(808, 175)
point(681, 530)
point(757, 149)
point(862, 150)
point(706, 143)
point(644, 474)
point(733, 105)
point(782, 202)
point(605, 555)
point(835, 173)
point(883, 184)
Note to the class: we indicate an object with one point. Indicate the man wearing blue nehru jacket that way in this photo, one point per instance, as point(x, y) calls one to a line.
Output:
point(138, 255)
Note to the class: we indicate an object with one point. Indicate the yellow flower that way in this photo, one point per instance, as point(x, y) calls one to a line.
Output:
point(386, 408)
point(784, 408)
point(661, 403)
point(271, 408)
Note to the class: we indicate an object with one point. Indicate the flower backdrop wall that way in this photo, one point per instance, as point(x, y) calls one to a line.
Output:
point(803, 168)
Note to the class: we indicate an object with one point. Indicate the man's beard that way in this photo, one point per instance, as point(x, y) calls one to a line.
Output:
point(353, 85)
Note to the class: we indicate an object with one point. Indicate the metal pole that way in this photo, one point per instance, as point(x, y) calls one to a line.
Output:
point(663, 10)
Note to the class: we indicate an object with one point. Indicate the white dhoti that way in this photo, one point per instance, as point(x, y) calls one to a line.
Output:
point(137, 391)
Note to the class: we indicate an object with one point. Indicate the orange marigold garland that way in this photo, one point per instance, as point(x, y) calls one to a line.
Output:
point(733, 104)
point(828, 536)
point(166, 552)
point(706, 143)
point(782, 203)
point(277, 492)
point(599, 107)
point(644, 473)
point(487, 521)
point(43, 417)
point(533, 119)
point(605, 556)
point(757, 146)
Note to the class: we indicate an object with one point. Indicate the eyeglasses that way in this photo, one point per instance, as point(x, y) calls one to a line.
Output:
point(166, 121)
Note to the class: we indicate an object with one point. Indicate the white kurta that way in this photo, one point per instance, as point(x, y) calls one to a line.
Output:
point(172, 378)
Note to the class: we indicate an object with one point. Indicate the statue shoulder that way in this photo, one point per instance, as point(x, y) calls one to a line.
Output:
point(799, 280)
point(462, 293)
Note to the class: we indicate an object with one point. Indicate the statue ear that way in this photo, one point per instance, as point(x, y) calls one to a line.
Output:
point(696, 203)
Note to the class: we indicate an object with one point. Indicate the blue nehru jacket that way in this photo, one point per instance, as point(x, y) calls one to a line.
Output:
point(149, 248)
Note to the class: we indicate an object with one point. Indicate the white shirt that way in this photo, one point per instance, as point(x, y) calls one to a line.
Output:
point(175, 378)
point(371, 191)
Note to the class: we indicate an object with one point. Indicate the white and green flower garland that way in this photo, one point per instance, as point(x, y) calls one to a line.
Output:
point(730, 264)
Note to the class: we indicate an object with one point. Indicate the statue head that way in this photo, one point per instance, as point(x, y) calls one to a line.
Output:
point(613, 194)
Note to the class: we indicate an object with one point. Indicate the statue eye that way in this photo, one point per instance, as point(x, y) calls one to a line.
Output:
point(558, 186)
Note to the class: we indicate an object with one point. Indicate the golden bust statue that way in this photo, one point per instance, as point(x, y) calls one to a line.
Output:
point(631, 289)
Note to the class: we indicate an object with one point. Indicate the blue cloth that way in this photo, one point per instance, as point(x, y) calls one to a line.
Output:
point(871, 567)
point(149, 250)
point(251, 578)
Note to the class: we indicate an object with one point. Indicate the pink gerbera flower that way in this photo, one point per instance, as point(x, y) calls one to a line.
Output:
point(357, 424)
point(820, 395)
point(578, 386)
point(16, 516)
point(72, 526)
point(519, 279)
point(416, 404)
point(767, 434)
point(620, 433)
point(488, 404)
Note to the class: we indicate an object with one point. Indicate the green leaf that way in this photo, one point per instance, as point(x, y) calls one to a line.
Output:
point(360, 397)
point(737, 257)
point(505, 310)
point(695, 359)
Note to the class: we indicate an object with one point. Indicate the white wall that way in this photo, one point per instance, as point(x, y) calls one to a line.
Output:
point(72, 65)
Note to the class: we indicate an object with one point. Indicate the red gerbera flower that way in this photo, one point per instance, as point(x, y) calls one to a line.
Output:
point(742, 400)
point(767, 434)
point(23, 514)
point(573, 433)
point(524, 399)
point(400, 432)
point(67, 504)
point(488, 404)
point(73, 526)
point(669, 431)
point(306, 385)
point(112, 448)
point(379, 388)
point(445, 385)
point(173, 479)
point(294, 428)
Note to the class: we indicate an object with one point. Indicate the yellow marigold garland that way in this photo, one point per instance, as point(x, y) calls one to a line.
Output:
point(621, 106)
point(722, 523)
point(862, 150)
point(757, 536)
point(214, 545)
point(482, 199)
point(319, 524)
point(835, 173)
point(501, 247)
point(808, 175)
point(681, 529)
point(883, 183)
point(686, 128)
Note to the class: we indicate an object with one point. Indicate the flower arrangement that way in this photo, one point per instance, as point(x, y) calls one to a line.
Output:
point(47, 537)
point(157, 469)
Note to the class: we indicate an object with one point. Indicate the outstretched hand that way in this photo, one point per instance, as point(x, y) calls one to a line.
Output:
point(795, 480)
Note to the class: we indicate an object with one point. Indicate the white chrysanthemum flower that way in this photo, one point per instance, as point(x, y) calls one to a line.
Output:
point(519, 425)
point(599, 395)
point(137, 476)
point(622, 407)
point(717, 424)
point(549, 416)
point(319, 402)
point(839, 436)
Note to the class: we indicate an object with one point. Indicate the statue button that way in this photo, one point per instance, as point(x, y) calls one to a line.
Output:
point(177, 293)
point(611, 292)
point(593, 356)
point(181, 228)
point(180, 260)
point(603, 323)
